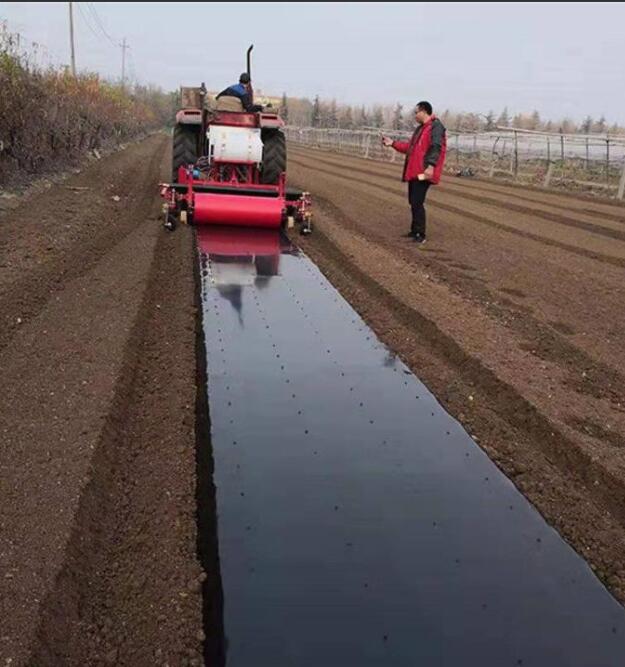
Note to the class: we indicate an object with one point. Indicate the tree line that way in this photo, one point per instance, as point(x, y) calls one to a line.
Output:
point(304, 112)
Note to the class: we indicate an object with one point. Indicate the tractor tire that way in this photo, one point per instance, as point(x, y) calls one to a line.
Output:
point(185, 148)
point(274, 156)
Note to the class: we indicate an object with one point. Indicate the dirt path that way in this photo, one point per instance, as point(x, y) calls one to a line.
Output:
point(97, 368)
point(512, 314)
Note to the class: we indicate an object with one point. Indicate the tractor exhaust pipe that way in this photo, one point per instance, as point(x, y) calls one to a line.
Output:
point(249, 61)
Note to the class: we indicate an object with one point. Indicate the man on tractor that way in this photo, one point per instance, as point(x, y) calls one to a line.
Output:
point(243, 92)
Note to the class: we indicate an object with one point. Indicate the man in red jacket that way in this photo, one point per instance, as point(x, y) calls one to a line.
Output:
point(425, 156)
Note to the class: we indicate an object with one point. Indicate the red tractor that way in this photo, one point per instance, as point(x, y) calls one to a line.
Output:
point(229, 167)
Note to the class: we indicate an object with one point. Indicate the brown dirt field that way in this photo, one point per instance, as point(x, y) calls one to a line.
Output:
point(98, 373)
point(512, 314)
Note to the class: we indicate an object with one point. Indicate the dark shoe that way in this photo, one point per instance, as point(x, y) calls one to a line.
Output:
point(419, 239)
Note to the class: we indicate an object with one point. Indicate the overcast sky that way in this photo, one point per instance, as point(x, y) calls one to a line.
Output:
point(563, 59)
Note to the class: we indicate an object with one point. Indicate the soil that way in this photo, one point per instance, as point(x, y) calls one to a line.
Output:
point(511, 313)
point(98, 370)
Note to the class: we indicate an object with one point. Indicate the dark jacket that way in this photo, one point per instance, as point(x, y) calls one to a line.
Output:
point(427, 147)
point(240, 91)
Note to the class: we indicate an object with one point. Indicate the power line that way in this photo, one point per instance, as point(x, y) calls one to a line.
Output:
point(100, 24)
point(87, 23)
point(123, 45)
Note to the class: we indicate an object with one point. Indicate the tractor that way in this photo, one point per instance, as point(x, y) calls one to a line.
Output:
point(229, 167)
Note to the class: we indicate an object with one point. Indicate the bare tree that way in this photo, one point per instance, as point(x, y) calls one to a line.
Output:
point(378, 117)
point(490, 121)
point(568, 126)
point(504, 118)
point(362, 120)
point(284, 108)
point(534, 121)
point(316, 112)
point(471, 122)
point(346, 118)
point(586, 126)
point(600, 126)
point(332, 119)
point(396, 123)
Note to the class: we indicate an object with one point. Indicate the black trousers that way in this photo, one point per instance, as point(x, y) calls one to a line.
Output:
point(416, 196)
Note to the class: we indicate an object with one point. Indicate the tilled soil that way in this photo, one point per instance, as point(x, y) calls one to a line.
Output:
point(97, 371)
point(512, 314)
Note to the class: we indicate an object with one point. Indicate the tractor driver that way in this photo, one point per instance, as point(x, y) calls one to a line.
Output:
point(243, 92)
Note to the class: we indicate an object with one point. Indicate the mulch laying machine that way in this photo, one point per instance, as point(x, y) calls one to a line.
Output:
point(229, 167)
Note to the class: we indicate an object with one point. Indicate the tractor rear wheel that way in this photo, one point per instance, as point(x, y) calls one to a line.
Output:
point(185, 148)
point(274, 156)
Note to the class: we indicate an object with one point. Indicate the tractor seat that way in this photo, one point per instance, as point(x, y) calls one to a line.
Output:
point(227, 103)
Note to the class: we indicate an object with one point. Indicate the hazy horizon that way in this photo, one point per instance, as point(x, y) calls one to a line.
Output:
point(560, 59)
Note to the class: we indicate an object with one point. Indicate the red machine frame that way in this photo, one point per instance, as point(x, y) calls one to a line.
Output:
point(229, 192)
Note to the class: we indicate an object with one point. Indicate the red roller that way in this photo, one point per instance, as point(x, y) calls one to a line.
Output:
point(239, 210)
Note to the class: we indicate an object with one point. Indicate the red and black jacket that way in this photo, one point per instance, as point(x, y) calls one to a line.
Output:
point(427, 147)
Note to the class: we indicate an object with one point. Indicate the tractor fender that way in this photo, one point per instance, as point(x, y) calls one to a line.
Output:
point(270, 120)
point(189, 117)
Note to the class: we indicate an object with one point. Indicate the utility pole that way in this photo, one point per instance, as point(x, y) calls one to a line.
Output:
point(124, 47)
point(71, 37)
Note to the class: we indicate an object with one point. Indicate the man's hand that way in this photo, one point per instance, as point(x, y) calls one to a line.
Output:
point(429, 172)
point(387, 141)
